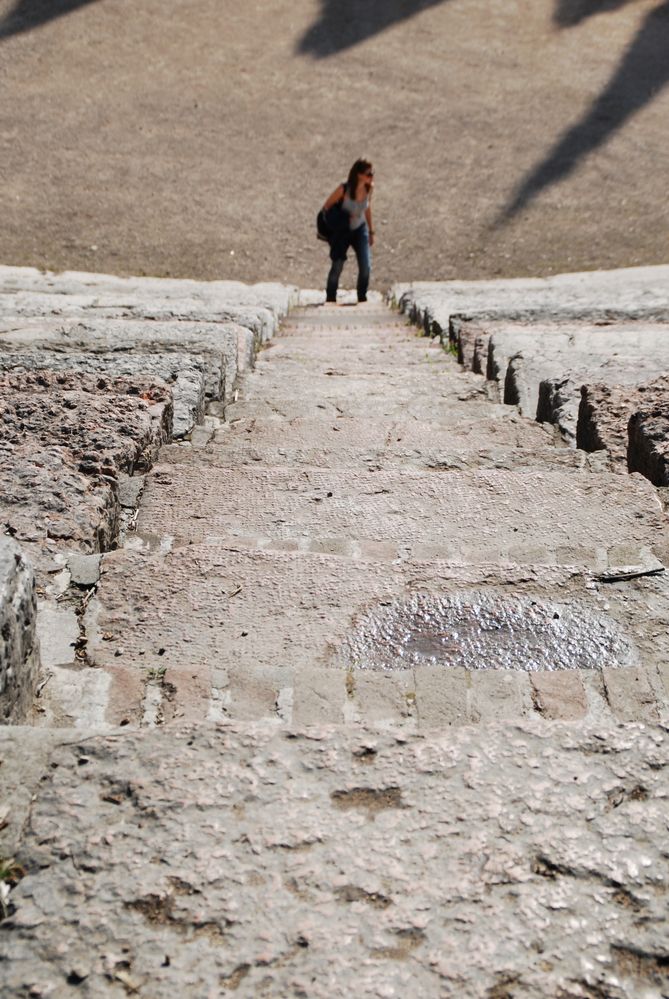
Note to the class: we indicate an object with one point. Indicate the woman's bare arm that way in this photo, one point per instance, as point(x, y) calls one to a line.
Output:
point(368, 217)
point(334, 197)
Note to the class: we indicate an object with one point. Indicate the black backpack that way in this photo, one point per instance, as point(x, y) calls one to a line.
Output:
point(332, 221)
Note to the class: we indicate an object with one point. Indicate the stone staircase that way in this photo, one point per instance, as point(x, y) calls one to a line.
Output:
point(332, 676)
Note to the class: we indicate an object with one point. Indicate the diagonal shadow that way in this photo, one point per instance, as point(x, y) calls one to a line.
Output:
point(345, 23)
point(641, 75)
point(28, 14)
point(570, 12)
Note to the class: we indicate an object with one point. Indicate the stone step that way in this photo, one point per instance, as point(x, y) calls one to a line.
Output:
point(360, 400)
point(514, 516)
point(528, 362)
point(227, 346)
point(188, 375)
point(229, 858)
point(249, 753)
point(627, 293)
point(207, 631)
point(273, 296)
point(381, 444)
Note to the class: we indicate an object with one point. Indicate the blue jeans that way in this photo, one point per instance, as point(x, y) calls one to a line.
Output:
point(359, 240)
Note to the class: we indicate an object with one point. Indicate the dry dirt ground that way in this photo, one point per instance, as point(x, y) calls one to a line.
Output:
point(198, 138)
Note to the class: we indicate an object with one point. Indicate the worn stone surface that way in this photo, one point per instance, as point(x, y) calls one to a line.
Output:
point(108, 425)
point(228, 630)
point(66, 438)
point(219, 341)
point(262, 322)
point(150, 291)
point(371, 543)
point(629, 423)
point(603, 415)
point(84, 569)
point(345, 442)
point(523, 358)
point(58, 633)
point(549, 517)
point(19, 652)
point(186, 374)
point(635, 292)
point(47, 503)
point(648, 433)
point(261, 544)
point(232, 857)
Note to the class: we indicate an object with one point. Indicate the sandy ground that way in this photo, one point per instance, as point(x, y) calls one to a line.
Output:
point(199, 138)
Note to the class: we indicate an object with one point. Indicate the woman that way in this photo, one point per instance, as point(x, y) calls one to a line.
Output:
point(356, 228)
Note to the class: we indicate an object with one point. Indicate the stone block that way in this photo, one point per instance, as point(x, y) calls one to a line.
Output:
point(648, 433)
point(67, 436)
point(19, 653)
point(463, 516)
point(108, 425)
point(84, 569)
point(186, 374)
point(319, 697)
point(601, 296)
point(559, 695)
point(58, 632)
point(499, 695)
point(242, 851)
point(219, 341)
point(130, 296)
point(603, 415)
point(384, 698)
point(630, 695)
point(442, 696)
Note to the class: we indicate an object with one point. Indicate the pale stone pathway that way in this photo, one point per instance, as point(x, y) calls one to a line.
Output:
point(365, 513)
point(316, 789)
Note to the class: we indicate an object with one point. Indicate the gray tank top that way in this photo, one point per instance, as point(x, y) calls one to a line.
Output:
point(355, 209)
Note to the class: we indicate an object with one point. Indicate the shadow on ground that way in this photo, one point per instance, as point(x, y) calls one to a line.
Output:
point(641, 75)
point(29, 14)
point(345, 23)
point(570, 12)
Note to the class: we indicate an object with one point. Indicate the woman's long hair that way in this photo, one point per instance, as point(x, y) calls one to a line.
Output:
point(360, 166)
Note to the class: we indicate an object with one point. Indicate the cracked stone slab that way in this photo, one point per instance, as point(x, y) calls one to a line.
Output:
point(519, 516)
point(228, 630)
point(228, 858)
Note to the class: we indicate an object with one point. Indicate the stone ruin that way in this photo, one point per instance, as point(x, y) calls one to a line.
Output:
point(330, 666)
